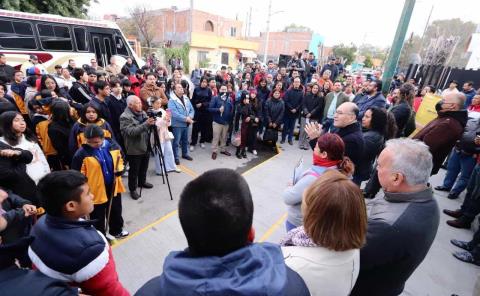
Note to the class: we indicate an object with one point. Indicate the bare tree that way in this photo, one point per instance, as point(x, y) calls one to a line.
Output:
point(144, 21)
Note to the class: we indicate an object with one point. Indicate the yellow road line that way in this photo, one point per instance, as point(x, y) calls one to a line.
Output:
point(188, 171)
point(261, 164)
point(142, 230)
point(272, 229)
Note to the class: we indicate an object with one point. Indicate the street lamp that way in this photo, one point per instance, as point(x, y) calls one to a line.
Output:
point(267, 35)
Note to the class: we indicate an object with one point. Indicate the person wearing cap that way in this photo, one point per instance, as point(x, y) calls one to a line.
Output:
point(58, 76)
point(452, 88)
point(332, 67)
point(33, 63)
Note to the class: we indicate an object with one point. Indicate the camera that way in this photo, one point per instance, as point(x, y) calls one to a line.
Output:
point(153, 114)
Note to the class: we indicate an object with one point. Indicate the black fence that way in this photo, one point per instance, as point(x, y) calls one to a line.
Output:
point(440, 76)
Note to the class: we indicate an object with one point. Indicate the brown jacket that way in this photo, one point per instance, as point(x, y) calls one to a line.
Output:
point(147, 92)
point(441, 134)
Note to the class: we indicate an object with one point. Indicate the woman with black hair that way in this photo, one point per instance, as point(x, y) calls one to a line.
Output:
point(202, 95)
point(374, 123)
point(402, 108)
point(263, 93)
point(16, 134)
point(88, 115)
point(49, 82)
point(59, 133)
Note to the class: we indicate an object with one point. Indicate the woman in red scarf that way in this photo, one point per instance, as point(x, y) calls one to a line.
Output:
point(329, 154)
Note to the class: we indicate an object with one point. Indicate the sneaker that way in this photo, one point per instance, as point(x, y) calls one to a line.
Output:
point(441, 188)
point(146, 185)
point(122, 234)
point(282, 142)
point(254, 152)
point(290, 142)
point(192, 148)
point(465, 256)
point(202, 145)
point(188, 157)
point(461, 244)
point(134, 195)
point(177, 170)
point(109, 237)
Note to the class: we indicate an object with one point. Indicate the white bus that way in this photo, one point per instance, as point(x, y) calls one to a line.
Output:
point(55, 40)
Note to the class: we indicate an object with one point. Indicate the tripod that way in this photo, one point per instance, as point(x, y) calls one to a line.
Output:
point(156, 149)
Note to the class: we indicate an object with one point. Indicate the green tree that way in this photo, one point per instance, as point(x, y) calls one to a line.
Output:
point(410, 47)
point(142, 20)
point(296, 28)
point(179, 52)
point(68, 8)
point(347, 52)
point(368, 63)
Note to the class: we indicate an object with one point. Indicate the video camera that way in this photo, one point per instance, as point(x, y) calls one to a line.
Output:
point(153, 114)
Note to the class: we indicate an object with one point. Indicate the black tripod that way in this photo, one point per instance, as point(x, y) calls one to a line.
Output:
point(156, 149)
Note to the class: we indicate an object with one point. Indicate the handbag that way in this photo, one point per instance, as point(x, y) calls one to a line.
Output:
point(270, 135)
point(237, 139)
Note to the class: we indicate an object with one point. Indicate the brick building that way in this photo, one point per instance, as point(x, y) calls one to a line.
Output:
point(283, 43)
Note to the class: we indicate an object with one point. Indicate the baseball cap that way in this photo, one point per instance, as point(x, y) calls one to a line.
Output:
point(33, 57)
point(33, 71)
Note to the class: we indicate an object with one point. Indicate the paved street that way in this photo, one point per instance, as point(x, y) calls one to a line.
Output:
point(155, 228)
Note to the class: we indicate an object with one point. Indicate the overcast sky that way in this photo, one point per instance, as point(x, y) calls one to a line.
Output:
point(368, 21)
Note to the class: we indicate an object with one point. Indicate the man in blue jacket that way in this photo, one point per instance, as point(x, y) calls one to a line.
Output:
point(221, 107)
point(372, 98)
point(216, 213)
point(293, 102)
point(182, 117)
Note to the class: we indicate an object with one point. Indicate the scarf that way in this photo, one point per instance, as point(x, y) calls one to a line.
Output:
point(297, 237)
point(324, 162)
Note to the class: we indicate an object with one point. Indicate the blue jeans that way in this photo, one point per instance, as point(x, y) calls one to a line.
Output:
point(288, 127)
point(471, 204)
point(180, 135)
point(458, 163)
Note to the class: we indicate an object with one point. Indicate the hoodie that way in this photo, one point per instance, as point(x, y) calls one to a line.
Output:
point(257, 269)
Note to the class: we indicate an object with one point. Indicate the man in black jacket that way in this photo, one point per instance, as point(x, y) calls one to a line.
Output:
point(293, 102)
point(80, 92)
point(349, 129)
point(402, 224)
point(6, 71)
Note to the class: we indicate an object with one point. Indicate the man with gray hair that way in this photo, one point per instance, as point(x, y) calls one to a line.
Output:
point(442, 133)
point(402, 224)
point(134, 125)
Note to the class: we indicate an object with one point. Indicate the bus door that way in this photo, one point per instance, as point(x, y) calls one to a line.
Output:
point(103, 47)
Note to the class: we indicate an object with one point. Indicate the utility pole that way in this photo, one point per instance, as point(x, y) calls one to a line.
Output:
point(267, 34)
point(425, 30)
point(249, 21)
point(397, 43)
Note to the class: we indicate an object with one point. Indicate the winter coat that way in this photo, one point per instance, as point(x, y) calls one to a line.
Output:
point(469, 96)
point(354, 143)
point(221, 118)
point(374, 143)
point(467, 143)
point(293, 99)
point(314, 105)
point(116, 106)
point(77, 137)
point(366, 102)
point(86, 162)
point(389, 256)
point(441, 134)
point(325, 272)
point(254, 270)
point(134, 130)
point(150, 91)
point(102, 106)
point(75, 252)
point(402, 112)
point(18, 225)
point(180, 112)
point(201, 96)
point(7, 72)
point(341, 98)
point(81, 93)
point(13, 174)
point(59, 135)
point(333, 68)
point(274, 110)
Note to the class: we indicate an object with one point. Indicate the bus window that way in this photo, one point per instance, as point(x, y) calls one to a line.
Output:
point(53, 37)
point(80, 38)
point(108, 48)
point(121, 46)
point(16, 35)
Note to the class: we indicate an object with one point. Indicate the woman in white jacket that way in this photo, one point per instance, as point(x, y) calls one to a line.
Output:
point(325, 251)
point(162, 123)
point(15, 133)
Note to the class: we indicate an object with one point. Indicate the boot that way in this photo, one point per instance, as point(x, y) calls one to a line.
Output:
point(244, 153)
point(239, 156)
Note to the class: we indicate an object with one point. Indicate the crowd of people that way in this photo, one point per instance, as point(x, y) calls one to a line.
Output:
point(68, 138)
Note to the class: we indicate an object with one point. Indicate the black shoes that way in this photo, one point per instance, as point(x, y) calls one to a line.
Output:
point(238, 153)
point(225, 153)
point(461, 244)
point(290, 142)
point(441, 188)
point(177, 162)
point(452, 195)
point(455, 214)
point(188, 157)
point(134, 195)
point(146, 185)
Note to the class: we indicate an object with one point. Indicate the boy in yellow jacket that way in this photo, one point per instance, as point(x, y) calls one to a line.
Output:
point(100, 160)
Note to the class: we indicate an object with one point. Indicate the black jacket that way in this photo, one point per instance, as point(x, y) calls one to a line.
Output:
point(354, 144)
point(18, 225)
point(274, 110)
point(201, 96)
point(402, 112)
point(59, 134)
point(401, 229)
point(374, 143)
point(13, 174)
point(7, 72)
point(293, 99)
point(314, 105)
point(81, 93)
point(116, 107)
point(467, 143)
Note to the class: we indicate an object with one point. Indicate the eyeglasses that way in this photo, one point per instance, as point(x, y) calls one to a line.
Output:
point(342, 113)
